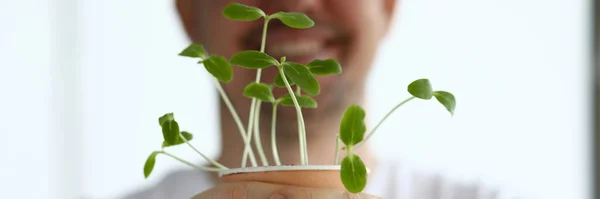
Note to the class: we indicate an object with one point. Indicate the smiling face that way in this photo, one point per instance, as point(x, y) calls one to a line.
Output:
point(346, 30)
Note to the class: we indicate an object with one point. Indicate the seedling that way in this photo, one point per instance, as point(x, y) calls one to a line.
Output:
point(353, 171)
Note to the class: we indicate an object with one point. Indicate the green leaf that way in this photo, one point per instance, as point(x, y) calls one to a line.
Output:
point(253, 59)
point(302, 77)
point(170, 130)
point(240, 12)
point(447, 99)
point(421, 88)
point(259, 91)
point(194, 50)
point(352, 126)
point(149, 165)
point(280, 83)
point(353, 173)
point(165, 117)
point(303, 100)
point(324, 67)
point(219, 68)
point(294, 19)
point(188, 137)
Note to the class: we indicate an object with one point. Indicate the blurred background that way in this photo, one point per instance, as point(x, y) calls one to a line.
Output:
point(81, 85)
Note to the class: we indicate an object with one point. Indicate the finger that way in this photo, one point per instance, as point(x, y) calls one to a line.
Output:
point(291, 192)
point(240, 190)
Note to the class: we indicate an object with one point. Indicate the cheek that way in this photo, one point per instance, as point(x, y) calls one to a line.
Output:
point(357, 15)
point(364, 22)
point(220, 35)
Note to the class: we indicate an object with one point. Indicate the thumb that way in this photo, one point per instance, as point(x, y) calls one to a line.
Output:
point(304, 192)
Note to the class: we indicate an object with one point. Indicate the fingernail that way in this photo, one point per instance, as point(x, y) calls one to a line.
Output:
point(278, 196)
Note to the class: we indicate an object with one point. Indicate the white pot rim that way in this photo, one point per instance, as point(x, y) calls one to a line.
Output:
point(280, 168)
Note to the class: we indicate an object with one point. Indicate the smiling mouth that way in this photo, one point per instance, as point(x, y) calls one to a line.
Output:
point(294, 49)
point(297, 45)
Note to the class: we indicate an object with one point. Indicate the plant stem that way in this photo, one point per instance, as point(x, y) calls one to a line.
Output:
point(359, 145)
point(273, 140)
point(337, 150)
point(301, 135)
point(247, 145)
point(192, 165)
point(204, 156)
point(301, 127)
point(257, 141)
point(247, 149)
point(237, 120)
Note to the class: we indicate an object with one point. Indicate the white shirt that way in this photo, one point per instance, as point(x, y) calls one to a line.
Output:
point(389, 180)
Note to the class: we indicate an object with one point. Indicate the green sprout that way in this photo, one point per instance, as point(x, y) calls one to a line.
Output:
point(353, 171)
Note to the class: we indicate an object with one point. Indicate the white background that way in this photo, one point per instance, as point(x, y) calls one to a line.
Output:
point(83, 83)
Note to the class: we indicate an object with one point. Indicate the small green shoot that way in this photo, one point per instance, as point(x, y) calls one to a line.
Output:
point(352, 126)
point(303, 77)
point(149, 165)
point(447, 99)
point(240, 12)
point(324, 67)
point(188, 136)
point(303, 101)
point(421, 88)
point(353, 173)
point(259, 91)
point(194, 50)
point(219, 67)
point(294, 19)
point(252, 59)
point(352, 129)
point(170, 130)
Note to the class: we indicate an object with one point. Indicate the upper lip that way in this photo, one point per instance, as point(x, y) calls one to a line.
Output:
point(277, 32)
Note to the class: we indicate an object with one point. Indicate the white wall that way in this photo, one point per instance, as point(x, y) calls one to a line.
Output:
point(132, 75)
point(520, 73)
point(28, 159)
point(96, 72)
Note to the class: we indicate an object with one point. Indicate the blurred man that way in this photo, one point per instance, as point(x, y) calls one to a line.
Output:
point(347, 30)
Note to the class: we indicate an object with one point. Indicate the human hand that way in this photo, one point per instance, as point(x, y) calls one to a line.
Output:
point(259, 190)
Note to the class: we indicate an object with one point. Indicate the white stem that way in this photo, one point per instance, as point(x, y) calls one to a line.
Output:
point(237, 120)
point(301, 135)
point(273, 140)
point(192, 165)
point(257, 141)
point(359, 145)
point(337, 150)
point(201, 154)
point(247, 148)
point(301, 128)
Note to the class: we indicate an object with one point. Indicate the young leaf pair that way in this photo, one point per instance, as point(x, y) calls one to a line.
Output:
point(240, 12)
point(171, 136)
point(422, 89)
point(352, 130)
point(217, 66)
point(170, 131)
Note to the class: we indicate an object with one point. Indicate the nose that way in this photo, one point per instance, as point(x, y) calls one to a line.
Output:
point(303, 6)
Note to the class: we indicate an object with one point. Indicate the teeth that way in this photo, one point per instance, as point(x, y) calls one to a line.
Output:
point(295, 49)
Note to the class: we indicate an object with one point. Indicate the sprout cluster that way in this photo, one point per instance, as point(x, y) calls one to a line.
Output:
point(352, 126)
